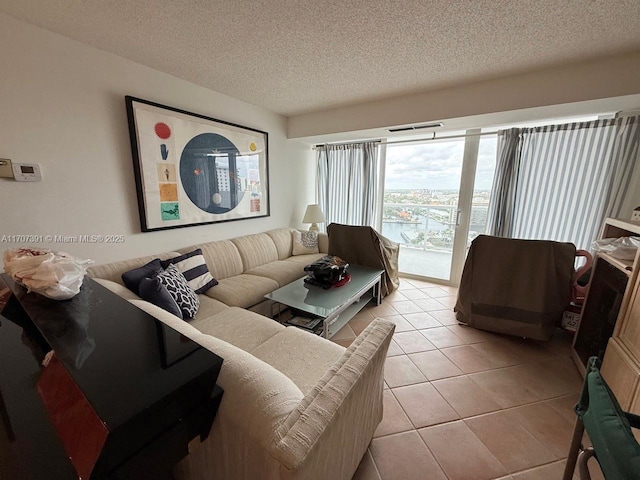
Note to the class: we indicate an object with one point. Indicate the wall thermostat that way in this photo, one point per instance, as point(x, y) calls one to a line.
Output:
point(26, 172)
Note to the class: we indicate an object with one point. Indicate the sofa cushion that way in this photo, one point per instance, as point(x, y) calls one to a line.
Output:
point(222, 257)
point(282, 271)
point(244, 329)
point(256, 250)
point(209, 306)
point(113, 271)
point(194, 268)
point(152, 290)
point(282, 239)
point(301, 356)
point(180, 290)
point(301, 261)
point(243, 290)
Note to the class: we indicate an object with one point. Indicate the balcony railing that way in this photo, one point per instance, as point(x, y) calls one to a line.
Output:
point(428, 226)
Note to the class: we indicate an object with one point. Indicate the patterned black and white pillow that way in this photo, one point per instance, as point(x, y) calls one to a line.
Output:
point(304, 242)
point(194, 268)
point(180, 290)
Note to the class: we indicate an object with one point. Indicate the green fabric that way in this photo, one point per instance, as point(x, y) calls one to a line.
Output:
point(609, 427)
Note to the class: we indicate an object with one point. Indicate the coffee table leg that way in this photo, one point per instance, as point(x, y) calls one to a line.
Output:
point(379, 297)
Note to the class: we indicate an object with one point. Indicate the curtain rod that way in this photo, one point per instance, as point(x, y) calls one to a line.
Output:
point(384, 142)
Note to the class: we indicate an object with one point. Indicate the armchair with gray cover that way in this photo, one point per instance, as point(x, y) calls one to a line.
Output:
point(362, 245)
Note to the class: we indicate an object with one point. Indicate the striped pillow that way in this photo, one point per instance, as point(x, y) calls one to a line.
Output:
point(194, 268)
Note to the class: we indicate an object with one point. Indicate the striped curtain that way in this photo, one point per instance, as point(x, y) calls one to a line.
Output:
point(560, 182)
point(348, 182)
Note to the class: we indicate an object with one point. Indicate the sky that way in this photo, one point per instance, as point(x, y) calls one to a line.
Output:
point(437, 165)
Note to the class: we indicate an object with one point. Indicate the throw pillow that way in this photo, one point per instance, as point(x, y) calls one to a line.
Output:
point(180, 290)
point(305, 242)
point(132, 278)
point(152, 290)
point(194, 268)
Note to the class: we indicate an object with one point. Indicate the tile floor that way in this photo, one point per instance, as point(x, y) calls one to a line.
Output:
point(463, 404)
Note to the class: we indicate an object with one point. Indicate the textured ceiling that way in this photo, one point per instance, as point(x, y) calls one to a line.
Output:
point(298, 56)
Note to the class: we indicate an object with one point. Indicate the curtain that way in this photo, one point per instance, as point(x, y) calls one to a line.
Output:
point(347, 182)
point(560, 182)
point(503, 191)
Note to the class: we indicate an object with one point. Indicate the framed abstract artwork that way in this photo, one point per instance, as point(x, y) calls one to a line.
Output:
point(191, 169)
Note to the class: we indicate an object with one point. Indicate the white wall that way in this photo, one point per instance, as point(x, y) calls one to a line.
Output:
point(62, 106)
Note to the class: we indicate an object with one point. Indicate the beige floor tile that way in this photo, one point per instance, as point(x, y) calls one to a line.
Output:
point(550, 379)
point(505, 387)
point(429, 304)
point(394, 420)
point(547, 425)
point(470, 458)
point(414, 294)
point(360, 322)
point(399, 371)
point(401, 324)
point(344, 333)
point(436, 292)
point(553, 470)
point(468, 359)
point(405, 284)
point(380, 310)
point(364, 313)
point(413, 342)
point(434, 365)
point(528, 350)
point(449, 301)
point(406, 307)
point(474, 335)
point(405, 457)
point(445, 317)
point(424, 405)
point(509, 442)
point(565, 405)
point(499, 352)
point(465, 396)
point(422, 320)
point(451, 290)
point(394, 349)
point(395, 296)
point(367, 470)
point(442, 337)
point(417, 283)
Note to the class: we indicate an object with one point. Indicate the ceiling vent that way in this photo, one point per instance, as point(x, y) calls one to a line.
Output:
point(415, 127)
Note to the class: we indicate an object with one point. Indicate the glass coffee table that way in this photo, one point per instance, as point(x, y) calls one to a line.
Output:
point(333, 307)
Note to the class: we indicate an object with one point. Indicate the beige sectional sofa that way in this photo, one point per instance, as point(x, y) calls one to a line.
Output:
point(296, 406)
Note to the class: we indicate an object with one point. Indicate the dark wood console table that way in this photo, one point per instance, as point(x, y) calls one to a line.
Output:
point(121, 398)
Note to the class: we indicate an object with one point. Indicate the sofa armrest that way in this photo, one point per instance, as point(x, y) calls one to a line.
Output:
point(323, 242)
point(346, 403)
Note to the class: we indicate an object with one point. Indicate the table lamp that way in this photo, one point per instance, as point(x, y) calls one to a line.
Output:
point(313, 215)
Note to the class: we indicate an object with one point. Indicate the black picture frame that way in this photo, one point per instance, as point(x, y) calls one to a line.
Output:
point(191, 169)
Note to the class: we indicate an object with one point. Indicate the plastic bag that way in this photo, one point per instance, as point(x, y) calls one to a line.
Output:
point(623, 248)
point(55, 275)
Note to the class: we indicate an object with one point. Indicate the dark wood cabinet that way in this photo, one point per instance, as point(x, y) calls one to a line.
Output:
point(121, 396)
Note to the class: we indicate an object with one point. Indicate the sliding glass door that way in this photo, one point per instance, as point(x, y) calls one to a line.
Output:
point(436, 196)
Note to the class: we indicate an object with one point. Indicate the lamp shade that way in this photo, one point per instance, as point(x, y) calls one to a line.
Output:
point(313, 214)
